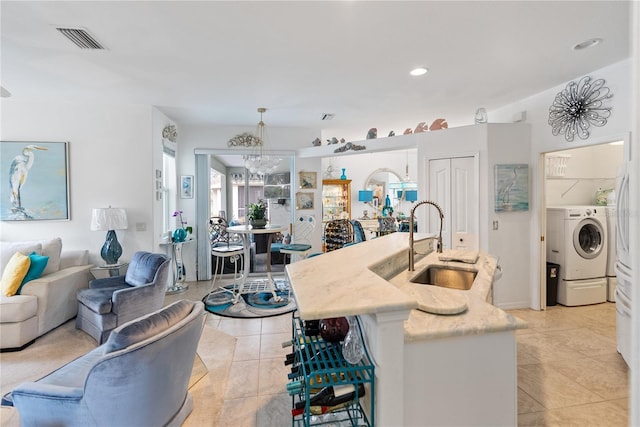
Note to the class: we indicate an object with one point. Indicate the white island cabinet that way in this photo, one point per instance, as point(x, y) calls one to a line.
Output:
point(431, 369)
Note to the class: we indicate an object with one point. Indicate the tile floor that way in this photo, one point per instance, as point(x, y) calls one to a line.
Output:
point(569, 372)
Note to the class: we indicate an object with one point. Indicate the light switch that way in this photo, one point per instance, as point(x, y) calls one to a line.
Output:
point(141, 226)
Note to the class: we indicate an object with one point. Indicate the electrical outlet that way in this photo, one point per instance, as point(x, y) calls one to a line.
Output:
point(141, 226)
point(495, 224)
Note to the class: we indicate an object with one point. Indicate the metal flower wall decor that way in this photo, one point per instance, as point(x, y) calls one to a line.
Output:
point(579, 106)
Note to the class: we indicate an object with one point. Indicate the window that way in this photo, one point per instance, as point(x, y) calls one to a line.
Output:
point(169, 185)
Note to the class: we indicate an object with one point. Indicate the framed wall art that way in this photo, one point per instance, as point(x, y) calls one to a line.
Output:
point(512, 188)
point(308, 180)
point(304, 200)
point(37, 187)
point(186, 187)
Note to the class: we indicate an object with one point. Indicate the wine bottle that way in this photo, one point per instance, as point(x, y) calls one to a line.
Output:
point(333, 395)
point(319, 410)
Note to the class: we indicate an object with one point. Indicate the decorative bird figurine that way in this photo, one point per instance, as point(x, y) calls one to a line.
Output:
point(372, 134)
point(316, 142)
point(439, 124)
point(342, 141)
point(407, 131)
point(421, 127)
point(334, 140)
point(392, 133)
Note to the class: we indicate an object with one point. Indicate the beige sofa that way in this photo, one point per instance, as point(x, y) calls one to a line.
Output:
point(46, 302)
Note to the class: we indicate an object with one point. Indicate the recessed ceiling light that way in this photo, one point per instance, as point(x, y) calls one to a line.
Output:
point(587, 44)
point(419, 71)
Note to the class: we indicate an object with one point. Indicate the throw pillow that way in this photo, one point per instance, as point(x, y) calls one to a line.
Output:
point(7, 249)
point(52, 248)
point(38, 264)
point(14, 272)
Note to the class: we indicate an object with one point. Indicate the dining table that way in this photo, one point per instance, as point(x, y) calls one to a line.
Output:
point(245, 232)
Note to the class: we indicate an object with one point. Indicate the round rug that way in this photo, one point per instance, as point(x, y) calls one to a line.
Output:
point(251, 305)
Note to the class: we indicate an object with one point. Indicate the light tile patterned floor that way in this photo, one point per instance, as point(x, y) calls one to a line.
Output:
point(569, 371)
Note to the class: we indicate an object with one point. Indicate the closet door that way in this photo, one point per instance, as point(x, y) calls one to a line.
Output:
point(451, 185)
point(439, 192)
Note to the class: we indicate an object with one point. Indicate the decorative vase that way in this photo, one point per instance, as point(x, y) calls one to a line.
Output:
point(259, 223)
point(334, 329)
point(352, 347)
point(179, 235)
point(343, 176)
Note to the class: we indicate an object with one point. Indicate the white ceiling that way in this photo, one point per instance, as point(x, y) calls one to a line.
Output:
point(212, 62)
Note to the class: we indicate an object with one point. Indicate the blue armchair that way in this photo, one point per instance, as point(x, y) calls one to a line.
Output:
point(110, 302)
point(138, 377)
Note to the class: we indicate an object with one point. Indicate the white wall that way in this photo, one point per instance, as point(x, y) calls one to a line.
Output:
point(493, 144)
point(587, 170)
point(618, 79)
point(110, 163)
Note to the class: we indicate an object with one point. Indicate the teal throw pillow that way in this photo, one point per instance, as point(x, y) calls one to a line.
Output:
point(38, 264)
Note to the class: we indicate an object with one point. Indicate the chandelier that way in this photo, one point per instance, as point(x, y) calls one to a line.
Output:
point(256, 162)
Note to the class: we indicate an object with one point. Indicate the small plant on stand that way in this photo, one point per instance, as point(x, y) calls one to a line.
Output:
point(256, 214)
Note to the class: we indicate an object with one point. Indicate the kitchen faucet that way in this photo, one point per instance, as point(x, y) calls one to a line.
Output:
point(411, 222)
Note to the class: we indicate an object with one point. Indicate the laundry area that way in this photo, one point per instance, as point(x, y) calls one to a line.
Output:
point(580, 195)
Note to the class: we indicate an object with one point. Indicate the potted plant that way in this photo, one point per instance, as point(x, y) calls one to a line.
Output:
point(256, 214)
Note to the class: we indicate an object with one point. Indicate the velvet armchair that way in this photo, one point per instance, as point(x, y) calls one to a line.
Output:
point(138, 377)
point(112, 301)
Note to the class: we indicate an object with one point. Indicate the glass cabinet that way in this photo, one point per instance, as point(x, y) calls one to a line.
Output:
point(336, 199)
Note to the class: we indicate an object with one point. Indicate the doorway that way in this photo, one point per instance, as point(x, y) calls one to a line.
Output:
point(581, 176)
point(226, 188)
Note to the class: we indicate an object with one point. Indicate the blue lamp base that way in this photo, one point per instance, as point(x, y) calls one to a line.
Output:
point(111, 250)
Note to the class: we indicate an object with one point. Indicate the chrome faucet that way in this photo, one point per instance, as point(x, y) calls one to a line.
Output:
point(411, 222)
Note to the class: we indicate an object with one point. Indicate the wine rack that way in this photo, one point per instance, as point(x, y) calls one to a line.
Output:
point(337, 233)
point(321, 364)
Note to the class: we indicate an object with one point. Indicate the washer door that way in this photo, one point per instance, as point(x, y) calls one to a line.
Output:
point(588, 238)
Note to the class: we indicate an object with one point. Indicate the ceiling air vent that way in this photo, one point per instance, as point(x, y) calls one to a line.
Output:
point(327, 116)
point(81, 38)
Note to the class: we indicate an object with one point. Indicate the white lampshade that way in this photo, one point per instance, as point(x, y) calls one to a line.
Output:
point(104, 219)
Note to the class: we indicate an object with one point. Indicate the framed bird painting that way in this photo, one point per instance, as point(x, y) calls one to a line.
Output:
point(511, 187)
point(37, 187)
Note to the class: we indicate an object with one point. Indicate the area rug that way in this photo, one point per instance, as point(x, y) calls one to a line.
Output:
point(255, 301)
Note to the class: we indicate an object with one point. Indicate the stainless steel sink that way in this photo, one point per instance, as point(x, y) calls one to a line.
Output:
point(446, 277)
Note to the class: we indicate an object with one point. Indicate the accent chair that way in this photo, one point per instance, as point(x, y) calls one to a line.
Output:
point(112, 301)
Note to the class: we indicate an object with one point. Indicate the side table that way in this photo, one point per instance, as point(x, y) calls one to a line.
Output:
point(112, 270)
point(177, 284)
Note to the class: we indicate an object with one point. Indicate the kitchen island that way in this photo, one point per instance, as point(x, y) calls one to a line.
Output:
point(431, 369)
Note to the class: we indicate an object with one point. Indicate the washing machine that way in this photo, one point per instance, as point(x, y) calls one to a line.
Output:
point(577, 241)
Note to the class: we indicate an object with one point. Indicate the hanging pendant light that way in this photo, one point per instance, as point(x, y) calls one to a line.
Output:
point(258, 162)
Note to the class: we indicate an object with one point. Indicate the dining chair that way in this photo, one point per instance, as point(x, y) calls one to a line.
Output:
point(302, 234)
point(224, 246)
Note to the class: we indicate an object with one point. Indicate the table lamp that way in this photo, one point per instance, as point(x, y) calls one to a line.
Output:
point(365, 196)
point(411, 195)
point(109, 219)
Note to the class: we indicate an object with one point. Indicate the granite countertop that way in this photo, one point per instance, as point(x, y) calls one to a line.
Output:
point(372, 277)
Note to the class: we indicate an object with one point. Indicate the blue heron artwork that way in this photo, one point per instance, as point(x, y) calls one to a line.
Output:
point(35, 181)
point(512, 188)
